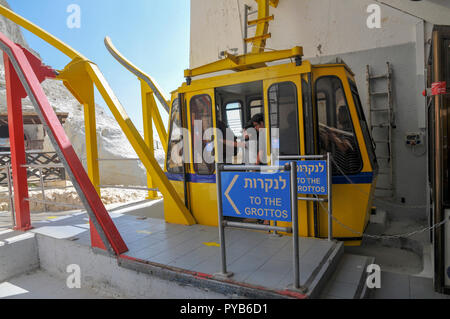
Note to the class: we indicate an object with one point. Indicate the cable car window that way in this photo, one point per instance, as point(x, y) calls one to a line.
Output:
point(256, 107)
point(365, 129)
point(234, 118)
point(174, 162)
point(283, 111)
point(201, 120)
point(336, 132)
point(308, 116)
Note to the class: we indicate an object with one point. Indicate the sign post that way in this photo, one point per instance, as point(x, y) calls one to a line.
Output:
point(314, 177)
point(245, 192)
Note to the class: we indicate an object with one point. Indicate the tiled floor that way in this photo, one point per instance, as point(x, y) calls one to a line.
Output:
point(348, 279)
point(255, 258)
point(398, 286)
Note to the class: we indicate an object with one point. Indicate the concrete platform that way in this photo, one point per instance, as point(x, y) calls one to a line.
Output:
point(262, 264)
point(18, 253)
point(41, 285)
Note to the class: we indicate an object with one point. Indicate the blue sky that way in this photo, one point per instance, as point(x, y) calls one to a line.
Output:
point(153, 34)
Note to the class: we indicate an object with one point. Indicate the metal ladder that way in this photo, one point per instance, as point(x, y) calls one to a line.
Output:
point(261, 23)
point(381, 106)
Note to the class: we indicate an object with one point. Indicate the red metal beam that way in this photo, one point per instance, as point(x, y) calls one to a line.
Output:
point(14, 95)
point(30, 79)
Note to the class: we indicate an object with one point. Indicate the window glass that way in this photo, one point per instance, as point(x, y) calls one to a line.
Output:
point(256, 107)
point(365, 129)
point(336, 132)
point(234, 118)
point(308, 116)
point(175, 148)
point(201, 120)
point(283, 115)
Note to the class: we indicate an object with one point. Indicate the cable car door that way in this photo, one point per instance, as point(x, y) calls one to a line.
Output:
point(177, 148)
point(202, 144)
point(285, 123)
point(341, 130)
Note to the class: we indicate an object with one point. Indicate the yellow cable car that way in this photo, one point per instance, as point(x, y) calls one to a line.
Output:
point(316, 109)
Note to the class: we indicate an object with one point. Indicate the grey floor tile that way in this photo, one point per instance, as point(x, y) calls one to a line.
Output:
point(422, 288)
point(341, 290)
point(393, 286)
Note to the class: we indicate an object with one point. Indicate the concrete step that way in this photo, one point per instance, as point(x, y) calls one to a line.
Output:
point(39, 284)
point(378, 222)
point(18, 253)
point(349, 278)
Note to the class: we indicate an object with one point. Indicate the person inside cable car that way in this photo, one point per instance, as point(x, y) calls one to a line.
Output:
point(340, 141)
point(258, 124)
point(249, 136)
point(229, 142)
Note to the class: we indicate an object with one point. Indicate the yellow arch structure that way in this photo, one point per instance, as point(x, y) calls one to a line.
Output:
point(80, 76)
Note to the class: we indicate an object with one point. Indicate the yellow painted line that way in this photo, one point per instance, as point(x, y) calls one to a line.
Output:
point(212, 244)
point(144, 232)
point(52, 217)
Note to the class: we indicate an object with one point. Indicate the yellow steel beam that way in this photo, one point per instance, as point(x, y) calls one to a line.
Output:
point(261, 20)
point(242, 62)
point(274, 3)
point(78, 82)
point(141, 75)
point(156, 116)
point(181, 215)
point(148, 102)
point(262, 29)
point(259, 38)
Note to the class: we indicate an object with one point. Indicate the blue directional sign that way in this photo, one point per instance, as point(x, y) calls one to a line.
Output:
point(311, 177)
point(256, 195)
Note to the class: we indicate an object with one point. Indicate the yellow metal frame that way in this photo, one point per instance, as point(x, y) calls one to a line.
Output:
point(245, 62)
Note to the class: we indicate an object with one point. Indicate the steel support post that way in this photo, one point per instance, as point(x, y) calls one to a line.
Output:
point(294, 211)
point(330, 206)
point(148, 103)
point(14, 94)
point(224, 272)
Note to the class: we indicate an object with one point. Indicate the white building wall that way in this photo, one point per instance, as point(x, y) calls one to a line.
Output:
point(330, 28)
point(322, 27)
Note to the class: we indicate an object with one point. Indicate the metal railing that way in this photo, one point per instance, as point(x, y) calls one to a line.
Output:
point(121, 186)
point(292, 168)
point(7, 167)
point(38, 158)
point(328, 200)
point(40, 168)
point(129, 187)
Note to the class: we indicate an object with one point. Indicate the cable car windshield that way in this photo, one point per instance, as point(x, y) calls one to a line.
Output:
point(336, 131)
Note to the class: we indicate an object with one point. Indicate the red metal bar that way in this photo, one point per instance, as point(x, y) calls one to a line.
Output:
point(14, 95)
point(31, 82)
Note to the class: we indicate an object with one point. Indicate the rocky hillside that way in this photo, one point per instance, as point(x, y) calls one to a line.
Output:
point(112, 143)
